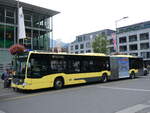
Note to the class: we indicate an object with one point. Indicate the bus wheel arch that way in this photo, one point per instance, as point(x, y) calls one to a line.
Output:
point(58, 82)
point(132, 75)
point(104, 77)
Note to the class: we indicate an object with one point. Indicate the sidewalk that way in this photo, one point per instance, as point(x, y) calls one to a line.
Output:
point(1, 84)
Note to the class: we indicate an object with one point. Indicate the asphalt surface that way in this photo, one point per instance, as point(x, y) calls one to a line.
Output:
point(122, 96)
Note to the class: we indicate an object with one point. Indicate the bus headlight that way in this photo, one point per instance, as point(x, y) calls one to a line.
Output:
point(25, 84)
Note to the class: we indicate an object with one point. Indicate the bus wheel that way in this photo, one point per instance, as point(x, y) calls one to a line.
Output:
point(132, 75)
point(104, 78)
point(58, 83)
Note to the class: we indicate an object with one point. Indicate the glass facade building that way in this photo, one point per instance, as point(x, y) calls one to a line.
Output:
point(38, 26)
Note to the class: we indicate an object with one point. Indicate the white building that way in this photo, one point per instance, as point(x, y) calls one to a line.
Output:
point(83, 43)
point(133, 40)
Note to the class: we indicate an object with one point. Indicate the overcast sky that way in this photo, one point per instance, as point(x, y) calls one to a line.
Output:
point(78, 17)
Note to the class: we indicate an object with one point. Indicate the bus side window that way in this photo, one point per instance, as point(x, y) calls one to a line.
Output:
point(53, 66)
point(85, 66)
point(58, 66)
point(74, 66)
point(35, 67)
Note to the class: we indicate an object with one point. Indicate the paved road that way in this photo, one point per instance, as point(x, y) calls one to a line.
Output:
point(123, 96)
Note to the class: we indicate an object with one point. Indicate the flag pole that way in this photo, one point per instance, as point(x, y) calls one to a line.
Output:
point(18, 22)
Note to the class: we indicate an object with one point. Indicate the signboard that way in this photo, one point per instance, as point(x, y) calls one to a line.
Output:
point(123, 64)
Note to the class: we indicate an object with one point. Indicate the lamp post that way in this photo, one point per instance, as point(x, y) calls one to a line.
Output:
point(116, 31)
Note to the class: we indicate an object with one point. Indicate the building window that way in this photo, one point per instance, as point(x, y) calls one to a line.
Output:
point(88, 45)
point(134, 54)
point(103, 33)
point(111, 49)
point(122, 40)
point(10, 17)
point(84, 37)
point(123, 48)
point(9, 40)
point(132, 38)
point(81, 46)
point(27, 19)
point(88, 51)
point(133, 47)
point(2, 14)
point(71, 47)
point(79, 38)
point(144, 46)
point(148, 54)
point(145, 54)
point(9, 13)
point(144, 36)
point(76, 47)
point(81, 51)
point(76, 52)
point(2, 44)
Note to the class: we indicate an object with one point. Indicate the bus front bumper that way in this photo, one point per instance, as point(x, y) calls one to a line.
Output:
point(22, 86)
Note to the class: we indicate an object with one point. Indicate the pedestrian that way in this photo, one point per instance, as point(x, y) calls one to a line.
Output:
point(5, 77)
point(148, 67)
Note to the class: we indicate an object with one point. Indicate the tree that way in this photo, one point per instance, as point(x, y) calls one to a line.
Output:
point(99, 45)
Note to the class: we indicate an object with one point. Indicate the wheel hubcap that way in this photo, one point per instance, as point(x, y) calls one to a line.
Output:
point(59, 83)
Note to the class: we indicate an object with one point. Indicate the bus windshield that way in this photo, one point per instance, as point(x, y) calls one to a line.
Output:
point(21, 67)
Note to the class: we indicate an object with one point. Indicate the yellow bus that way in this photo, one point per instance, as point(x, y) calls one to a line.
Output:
point(37, 70)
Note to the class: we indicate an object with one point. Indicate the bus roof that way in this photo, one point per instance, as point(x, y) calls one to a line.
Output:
point(84, 54)
point(129, 56)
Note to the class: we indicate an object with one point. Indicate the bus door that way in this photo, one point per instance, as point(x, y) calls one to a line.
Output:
point(119, 67)
point(123, 64)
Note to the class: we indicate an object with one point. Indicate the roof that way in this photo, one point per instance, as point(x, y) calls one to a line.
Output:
point(130, 56)
point(85, 54)
point(107, 31)
point(134, 27)
point(29, 7)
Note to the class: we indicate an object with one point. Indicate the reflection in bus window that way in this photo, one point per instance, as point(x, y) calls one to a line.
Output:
point(58, 65)
point(76, 66)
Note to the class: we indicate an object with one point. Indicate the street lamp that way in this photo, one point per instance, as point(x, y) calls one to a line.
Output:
point(116, 31)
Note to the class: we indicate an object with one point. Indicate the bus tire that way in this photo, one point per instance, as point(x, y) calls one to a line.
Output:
point(104, 78)
point(132, 75)
point(58, 83)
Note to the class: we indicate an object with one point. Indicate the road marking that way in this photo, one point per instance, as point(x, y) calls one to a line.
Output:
point(134, 109)
point(2, 111)
point(120, 88)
